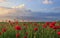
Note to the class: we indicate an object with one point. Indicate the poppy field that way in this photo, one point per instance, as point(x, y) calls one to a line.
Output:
point(29, 29)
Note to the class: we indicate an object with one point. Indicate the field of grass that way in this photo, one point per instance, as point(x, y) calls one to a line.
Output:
point(29, 30)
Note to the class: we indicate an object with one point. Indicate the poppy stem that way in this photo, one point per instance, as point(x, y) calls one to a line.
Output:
point(15, 33)
point(35, 35)
point(3, 35)
point(55, 33)
point(43, 33)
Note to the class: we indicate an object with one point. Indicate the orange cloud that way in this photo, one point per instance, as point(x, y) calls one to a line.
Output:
point(4, 10)
point(20, 10)
point(2, 0)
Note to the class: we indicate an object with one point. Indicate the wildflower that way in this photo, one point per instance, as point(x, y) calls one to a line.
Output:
point(3, 29)
point(25, 36)
point(16, 22)
point(26, 33)
point(56, 27)
point(24, 24)
point(18, 27)
point(30, 22)
point(58, 33)
point(47, 23)
point(52, 25)
point(44, 26)
point(0, 33)
point(35, 24)
point(17, 35)
point(9, 21)
point(35, 29)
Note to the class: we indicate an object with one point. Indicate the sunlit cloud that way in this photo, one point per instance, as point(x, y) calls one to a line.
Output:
point(47, 2)
point(20, 6)
point(2, 1)
point(19, 10)
point(4, 11)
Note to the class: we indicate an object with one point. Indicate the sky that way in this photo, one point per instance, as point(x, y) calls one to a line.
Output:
point(27, 7)
point(34, 5)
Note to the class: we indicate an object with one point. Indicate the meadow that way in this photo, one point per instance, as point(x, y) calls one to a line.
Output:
point(29, 29)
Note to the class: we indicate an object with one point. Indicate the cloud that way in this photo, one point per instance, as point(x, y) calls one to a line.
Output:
point(2, 0)
point(4, 10)
point(56, 8)
point(27, 15)
point(20, 10)
point(29, 0)
point(47, 2)
point(14, 12)
point(20, 6)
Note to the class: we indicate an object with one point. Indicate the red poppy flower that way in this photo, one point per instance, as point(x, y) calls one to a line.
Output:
point(24, 24)
point(17, 35)
point(47, 23)
point(16, 22)
point(44, 26)
point(54, 22)
point(58, 33)
point(30, 22)
point(35, 29)
point(9, 21)
point(25, 36)
point(18, 27)
point(35, 24)
point(26, 33)
point(56, 27)
point(52, 25)
point(3, 29)
point(0, 33)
